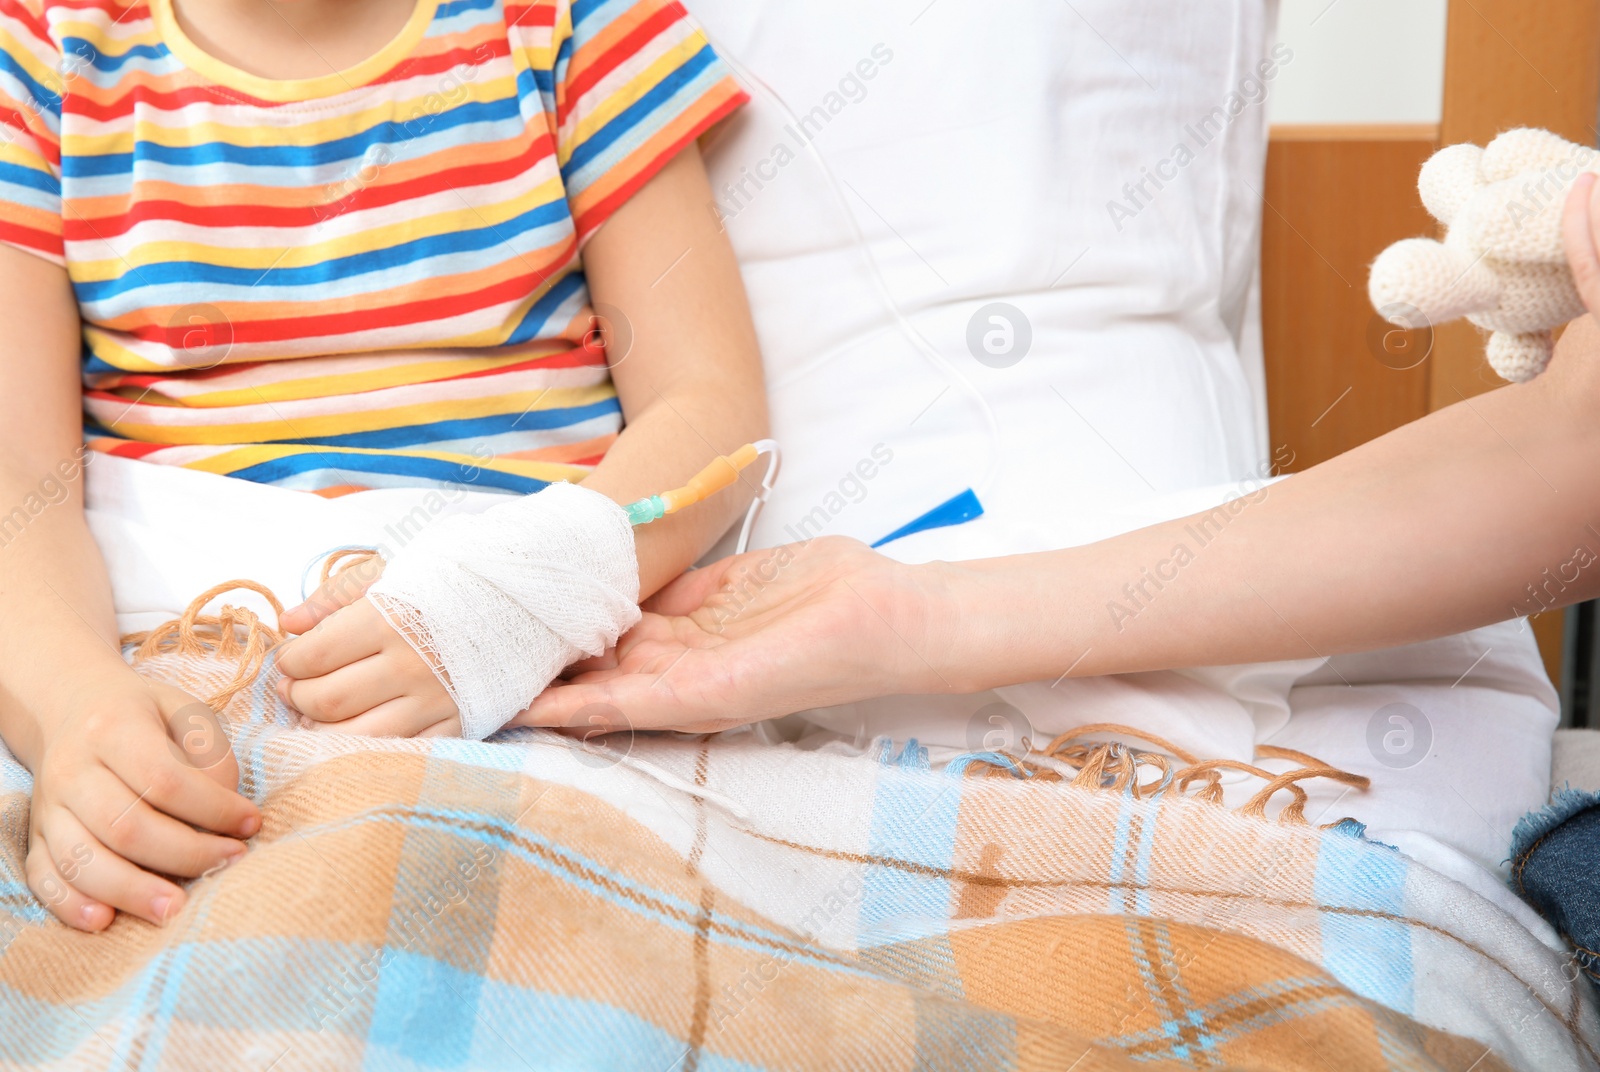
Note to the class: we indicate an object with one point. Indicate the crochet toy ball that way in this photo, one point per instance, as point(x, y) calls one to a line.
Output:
point(1501, 264)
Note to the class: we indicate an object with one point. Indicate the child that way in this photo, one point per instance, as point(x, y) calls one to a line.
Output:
point(334, 245)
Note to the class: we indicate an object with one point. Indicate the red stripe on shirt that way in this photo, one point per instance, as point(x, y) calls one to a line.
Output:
point(629, 46)
point(88, 229)
point(601, 210)
point(372, 318)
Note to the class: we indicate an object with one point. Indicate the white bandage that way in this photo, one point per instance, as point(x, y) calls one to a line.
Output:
point(500, 602)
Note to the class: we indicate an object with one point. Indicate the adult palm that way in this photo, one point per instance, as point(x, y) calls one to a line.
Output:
point(756, 636)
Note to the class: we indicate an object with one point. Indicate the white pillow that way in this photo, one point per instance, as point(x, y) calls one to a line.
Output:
point(981, 152)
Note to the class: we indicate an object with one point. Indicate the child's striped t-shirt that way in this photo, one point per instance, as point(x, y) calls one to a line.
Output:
point(367, 279)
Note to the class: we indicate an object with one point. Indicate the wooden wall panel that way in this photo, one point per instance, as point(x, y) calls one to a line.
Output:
point(1336, 196)
point(1511, 63)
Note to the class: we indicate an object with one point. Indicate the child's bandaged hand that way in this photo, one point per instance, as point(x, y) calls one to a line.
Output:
point(487, 607)
point(352, 672)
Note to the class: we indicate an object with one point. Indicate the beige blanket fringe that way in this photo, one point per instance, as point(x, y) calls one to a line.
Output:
point(1118, 767)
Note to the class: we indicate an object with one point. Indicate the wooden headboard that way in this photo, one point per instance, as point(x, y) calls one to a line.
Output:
point(1337, 195)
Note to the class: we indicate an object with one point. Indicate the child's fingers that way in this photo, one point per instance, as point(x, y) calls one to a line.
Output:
point(197, 732)
point(405, 716)
point(354, 633)
point(102, 875)
point(337, 592)
point(1578, 225)
point(146, 837)
point(58, 895)
point(149, 767)
point(348, 691)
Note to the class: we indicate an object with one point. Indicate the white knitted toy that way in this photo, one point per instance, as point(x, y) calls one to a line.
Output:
point(1501, 264)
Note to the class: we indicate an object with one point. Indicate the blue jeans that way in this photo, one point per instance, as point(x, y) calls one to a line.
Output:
point(1555, 866)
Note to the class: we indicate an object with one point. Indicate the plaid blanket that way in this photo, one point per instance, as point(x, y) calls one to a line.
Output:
point(671, 903)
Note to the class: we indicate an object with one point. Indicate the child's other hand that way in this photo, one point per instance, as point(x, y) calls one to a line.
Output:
point(136, 784)
point(351, 672)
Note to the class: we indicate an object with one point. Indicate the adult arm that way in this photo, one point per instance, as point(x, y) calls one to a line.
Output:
point(1480, 512)
point(1486, 510)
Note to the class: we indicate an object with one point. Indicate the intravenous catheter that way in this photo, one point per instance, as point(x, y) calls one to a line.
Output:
point(722, 471)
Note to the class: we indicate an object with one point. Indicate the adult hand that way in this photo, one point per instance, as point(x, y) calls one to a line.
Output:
point(1580, 227)
point(756, 636)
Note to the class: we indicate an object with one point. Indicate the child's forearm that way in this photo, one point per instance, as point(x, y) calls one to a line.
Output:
point(58, 636)
point(115, 806)
point(690, 378)
point(664, 445)
point(1483, 511)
